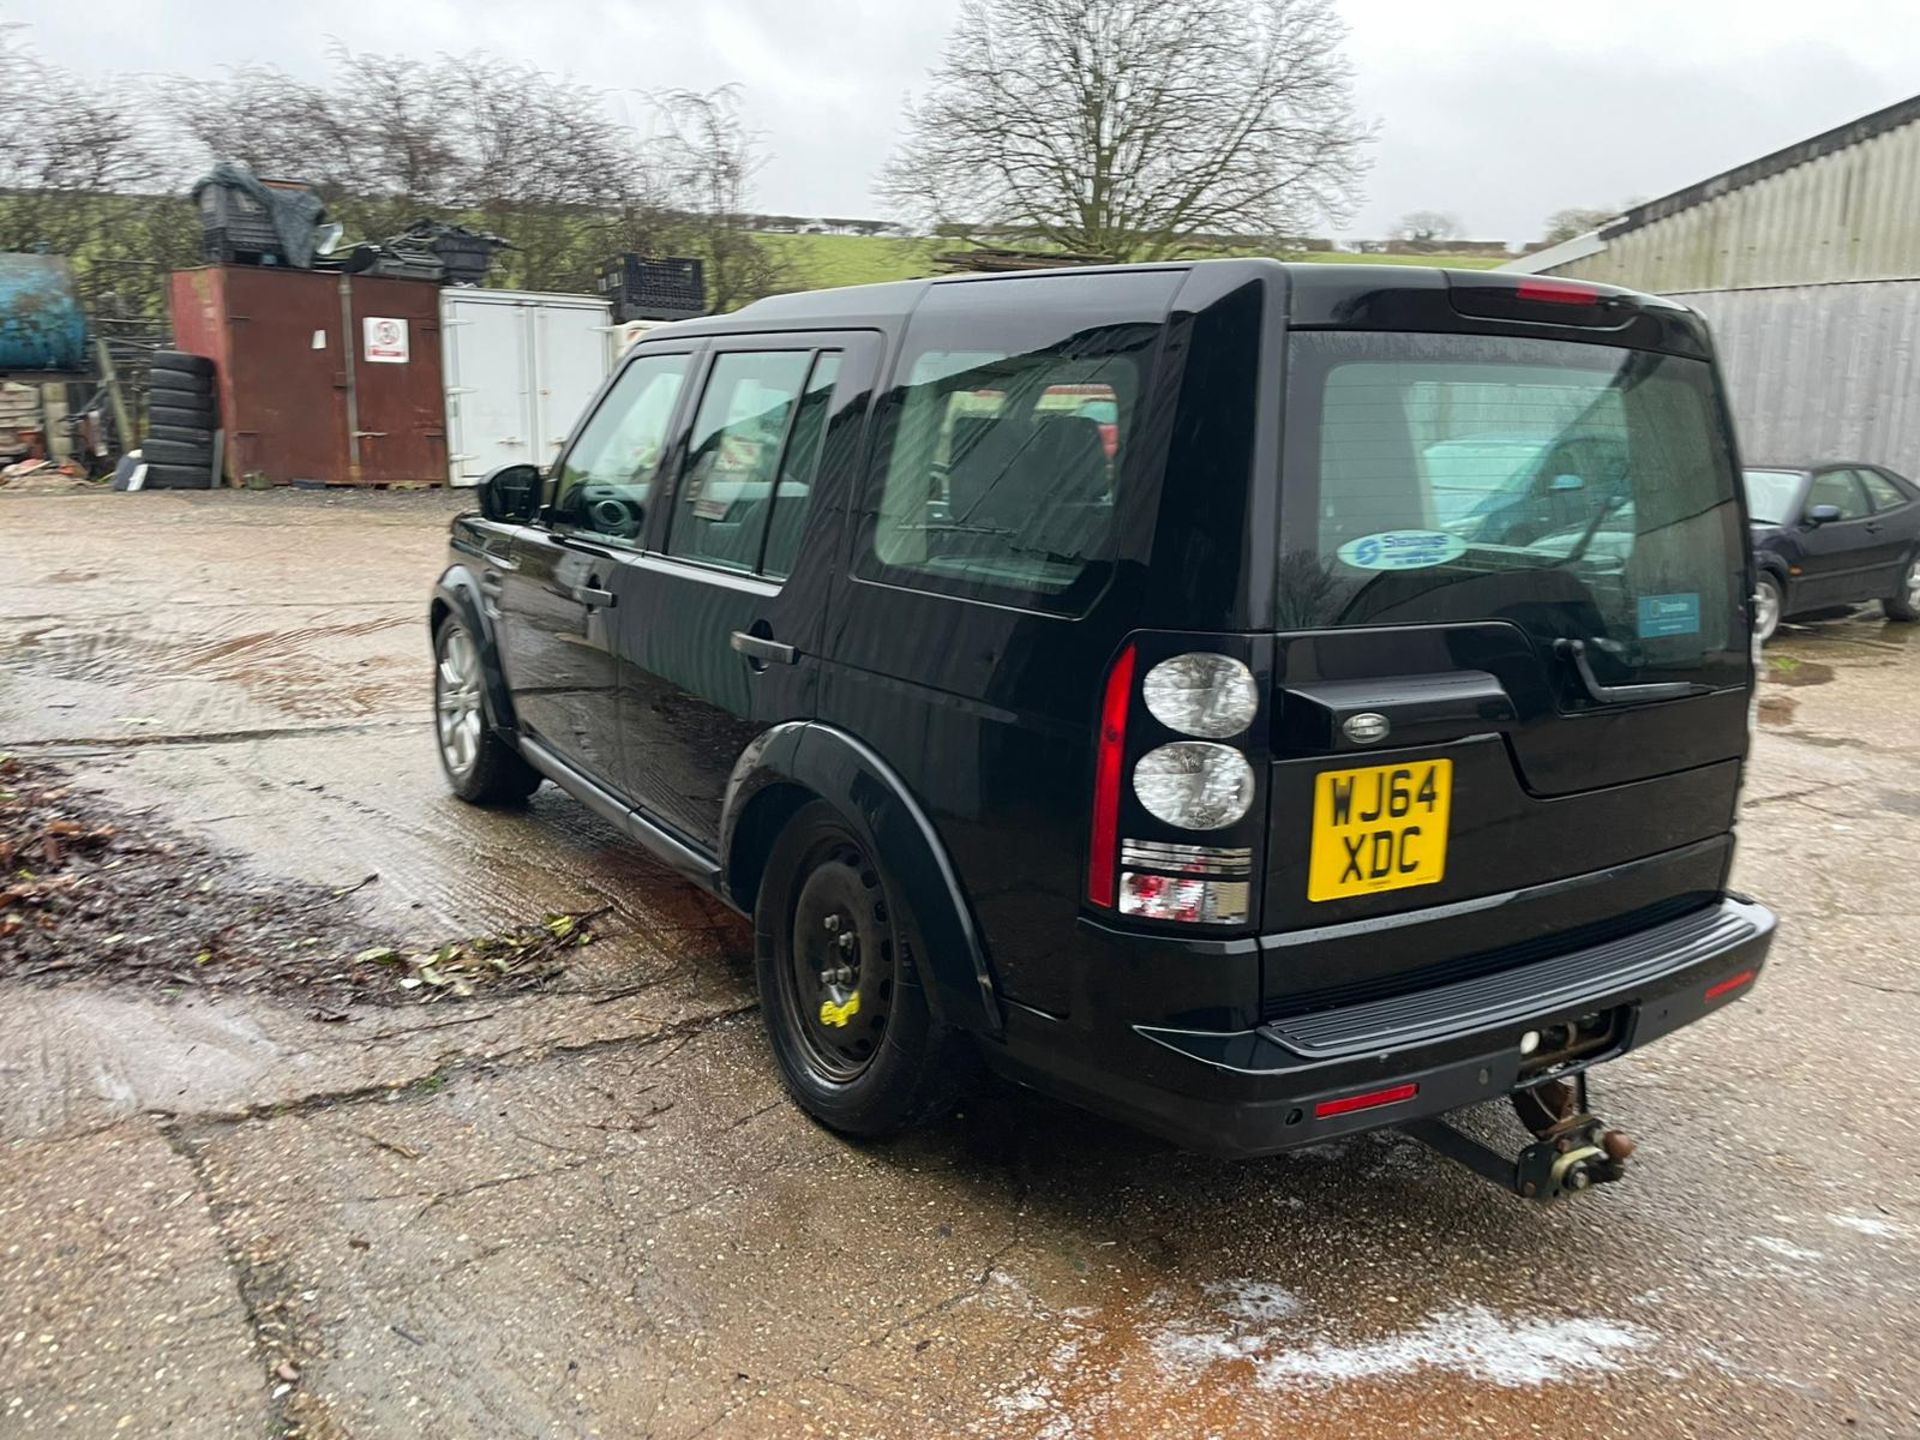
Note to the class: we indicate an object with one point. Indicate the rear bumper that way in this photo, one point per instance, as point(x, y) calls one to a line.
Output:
point(1262, 1090)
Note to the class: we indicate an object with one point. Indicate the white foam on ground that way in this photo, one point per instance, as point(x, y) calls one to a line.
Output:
point(1468, 1340)
point(1786, 1250)
point(1869, 1225)
point(1471, 1341)
point(1250, 1308)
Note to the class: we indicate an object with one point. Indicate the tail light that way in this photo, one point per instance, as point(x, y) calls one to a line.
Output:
point(1109, 769)
point(1187, 785)
point(1208, 884)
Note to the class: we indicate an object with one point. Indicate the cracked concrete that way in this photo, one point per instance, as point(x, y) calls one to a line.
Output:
point(593, 1212)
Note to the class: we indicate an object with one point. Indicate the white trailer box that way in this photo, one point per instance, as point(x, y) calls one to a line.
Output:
point(520, 367)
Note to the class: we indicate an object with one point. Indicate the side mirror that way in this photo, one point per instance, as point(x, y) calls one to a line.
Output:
point(1567, 482)
point(1823, 514)
point(511, 493)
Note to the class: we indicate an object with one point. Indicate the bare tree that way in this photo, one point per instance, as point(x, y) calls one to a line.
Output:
point(713, 160)
point(1575, 220)
point(80, 168)
point(1132, 127)
point(1427, 227)
point(550, 165)
point(62, 145)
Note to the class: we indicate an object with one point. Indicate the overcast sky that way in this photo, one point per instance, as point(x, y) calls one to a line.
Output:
point(1499, 116)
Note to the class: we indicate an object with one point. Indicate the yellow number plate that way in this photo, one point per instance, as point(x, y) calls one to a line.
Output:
point(1382, 828)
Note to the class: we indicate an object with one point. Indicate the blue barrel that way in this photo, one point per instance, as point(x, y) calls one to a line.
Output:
point(42, 327)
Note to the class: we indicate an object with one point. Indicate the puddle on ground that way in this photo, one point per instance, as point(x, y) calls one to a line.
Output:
point(332, 670)
point(1776, 709)
point(1785, 670)
point(1901, 802)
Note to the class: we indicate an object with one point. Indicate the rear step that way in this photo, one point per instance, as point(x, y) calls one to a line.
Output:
point(1525, 992)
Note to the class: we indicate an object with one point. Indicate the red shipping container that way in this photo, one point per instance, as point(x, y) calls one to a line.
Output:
point(329, 378)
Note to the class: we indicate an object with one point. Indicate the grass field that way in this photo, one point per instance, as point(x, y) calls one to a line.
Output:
point(822, 261)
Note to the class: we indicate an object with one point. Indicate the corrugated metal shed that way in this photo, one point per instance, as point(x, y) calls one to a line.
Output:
point(1844, 205)
point(1822, 371)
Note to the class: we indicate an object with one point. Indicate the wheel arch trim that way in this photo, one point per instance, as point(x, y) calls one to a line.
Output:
point(871, 796)
point(458, 593)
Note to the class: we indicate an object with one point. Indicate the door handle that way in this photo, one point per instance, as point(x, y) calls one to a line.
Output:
point(761, 651)
point(592, 598)
point(491, 581)
point(1576, 651)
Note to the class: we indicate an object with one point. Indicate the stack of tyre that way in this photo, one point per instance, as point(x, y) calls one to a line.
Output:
point(181, 419)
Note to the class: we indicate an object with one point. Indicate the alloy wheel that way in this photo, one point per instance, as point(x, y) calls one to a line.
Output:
point(1766, 612)
point(456, 700)
point(1913, 585)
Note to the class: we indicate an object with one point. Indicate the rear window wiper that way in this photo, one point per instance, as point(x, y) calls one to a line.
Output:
point(1576, 651)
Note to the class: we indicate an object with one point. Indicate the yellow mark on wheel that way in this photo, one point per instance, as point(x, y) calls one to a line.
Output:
point(838, 1015)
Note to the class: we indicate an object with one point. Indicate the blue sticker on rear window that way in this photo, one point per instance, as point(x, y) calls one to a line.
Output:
point(1664, 615)
point(1402, 550)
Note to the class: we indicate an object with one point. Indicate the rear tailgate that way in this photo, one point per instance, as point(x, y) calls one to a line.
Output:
point(1513, 666)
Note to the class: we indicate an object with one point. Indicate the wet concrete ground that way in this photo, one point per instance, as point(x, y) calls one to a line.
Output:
point(592, 1213)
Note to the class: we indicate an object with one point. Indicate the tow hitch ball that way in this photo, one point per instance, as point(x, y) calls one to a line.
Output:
point(1574, 1150)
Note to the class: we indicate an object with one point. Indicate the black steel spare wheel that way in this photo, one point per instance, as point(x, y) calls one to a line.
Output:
point(840, 986)
point(841, 961)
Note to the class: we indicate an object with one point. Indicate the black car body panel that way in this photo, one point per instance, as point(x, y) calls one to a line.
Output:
point(936, 671)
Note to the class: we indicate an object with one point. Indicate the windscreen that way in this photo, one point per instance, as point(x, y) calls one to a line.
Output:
point(1581, 491)
point(1771, 495)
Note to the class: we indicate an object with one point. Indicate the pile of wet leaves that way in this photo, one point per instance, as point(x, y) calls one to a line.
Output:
point(88, 889)
point(526, 957)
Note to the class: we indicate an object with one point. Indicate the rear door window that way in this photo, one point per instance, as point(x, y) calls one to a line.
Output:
point(1582, 491)
point(1006, 459)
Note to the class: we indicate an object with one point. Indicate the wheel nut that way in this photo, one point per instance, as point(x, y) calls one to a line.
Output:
point(846, 941)
point(832, 923)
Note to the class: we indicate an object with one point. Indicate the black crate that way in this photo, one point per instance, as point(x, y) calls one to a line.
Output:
point(237, 229)
point(466, 260)
point(638, 289)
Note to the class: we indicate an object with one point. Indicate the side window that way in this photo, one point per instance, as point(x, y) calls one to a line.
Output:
point(793, 499)
point(605, 481)
point(1841, 488)
point(750, 461)
point(1885, 494)
point(1006, 439)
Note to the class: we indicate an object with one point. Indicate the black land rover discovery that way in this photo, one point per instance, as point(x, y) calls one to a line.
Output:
point(1260, 702)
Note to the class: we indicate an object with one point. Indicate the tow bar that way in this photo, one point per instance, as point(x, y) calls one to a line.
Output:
point(1574, 1150)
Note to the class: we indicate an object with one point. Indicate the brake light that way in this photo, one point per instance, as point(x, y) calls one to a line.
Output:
point(1558, 292)
point(1109, 768)
point(1729, 985)
point(1372, 1100)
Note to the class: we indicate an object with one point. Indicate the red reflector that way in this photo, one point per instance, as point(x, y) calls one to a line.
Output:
point(1109, 756)
point(1729, 985)
point(1326, 1109)
point(1558, 292)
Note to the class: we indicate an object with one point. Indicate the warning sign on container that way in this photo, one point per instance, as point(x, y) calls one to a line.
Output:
point(386, 340)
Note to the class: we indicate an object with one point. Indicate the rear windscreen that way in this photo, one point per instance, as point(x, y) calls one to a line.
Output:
point(1579, 490)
